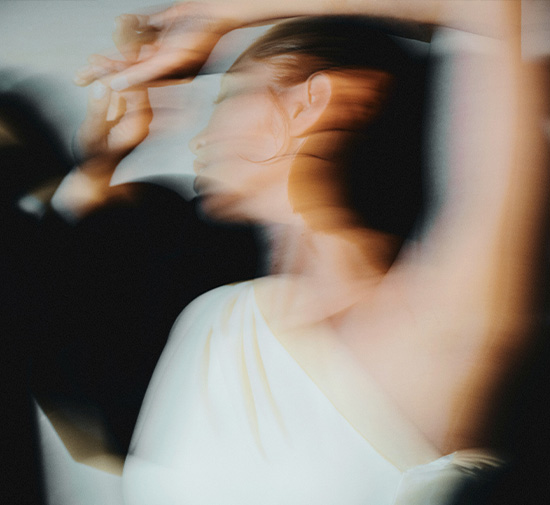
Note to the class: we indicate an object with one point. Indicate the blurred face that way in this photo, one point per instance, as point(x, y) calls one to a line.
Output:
point(243, 156)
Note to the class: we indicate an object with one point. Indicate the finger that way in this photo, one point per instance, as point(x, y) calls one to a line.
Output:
point(137, 100)
point(162, 68)
point(125, 37)
point(146, 51)
point(162, 19)
point(131, 34)
point(137, 108)
point(143, 22)
point(100, 60)
point(99, 98)
point(89, 74)
point(99, 67)
point(117, 107)
point(147, 71)
point(133, 127)
point(94, 129)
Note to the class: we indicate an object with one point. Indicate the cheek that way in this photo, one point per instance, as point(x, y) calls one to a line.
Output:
point(245, 140)
point(259, 132)
point(277, 133)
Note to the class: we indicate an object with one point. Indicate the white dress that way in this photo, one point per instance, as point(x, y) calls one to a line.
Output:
point(236, 416)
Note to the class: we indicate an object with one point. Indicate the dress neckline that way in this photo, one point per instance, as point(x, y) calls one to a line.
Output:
point(349, 387)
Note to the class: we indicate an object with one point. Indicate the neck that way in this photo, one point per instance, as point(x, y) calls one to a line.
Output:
point(334, 269)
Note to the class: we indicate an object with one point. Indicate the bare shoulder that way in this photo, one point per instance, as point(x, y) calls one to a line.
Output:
point(439, 366)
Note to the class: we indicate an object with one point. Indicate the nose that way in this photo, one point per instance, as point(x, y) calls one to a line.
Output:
point(197, 142)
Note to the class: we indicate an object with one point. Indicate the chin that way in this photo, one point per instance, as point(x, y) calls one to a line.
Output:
point(220, 207)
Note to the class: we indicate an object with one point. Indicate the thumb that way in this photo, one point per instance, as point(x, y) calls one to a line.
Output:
point(95, 127)
point(99, 99)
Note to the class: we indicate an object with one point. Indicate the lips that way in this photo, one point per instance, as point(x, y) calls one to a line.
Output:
point(198, 166)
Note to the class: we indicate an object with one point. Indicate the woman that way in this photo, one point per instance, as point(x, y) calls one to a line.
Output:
point(316, 383)
point(232, 396)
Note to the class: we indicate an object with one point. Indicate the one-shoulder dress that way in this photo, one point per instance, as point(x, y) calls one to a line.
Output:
point(235, 415)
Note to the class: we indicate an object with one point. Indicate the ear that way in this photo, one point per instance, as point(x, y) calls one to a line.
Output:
point(308, 102)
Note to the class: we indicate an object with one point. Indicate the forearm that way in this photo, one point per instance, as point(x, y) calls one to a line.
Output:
point(485, 17)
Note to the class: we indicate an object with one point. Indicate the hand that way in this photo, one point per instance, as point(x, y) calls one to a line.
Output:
point(159, 48)
point(115, 124)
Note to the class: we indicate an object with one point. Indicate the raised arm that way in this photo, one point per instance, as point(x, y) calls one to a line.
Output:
point(175, 43)
point(482, 250)
point(468, 289)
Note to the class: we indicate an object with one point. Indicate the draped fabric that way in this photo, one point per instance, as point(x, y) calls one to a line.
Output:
point(235, 415)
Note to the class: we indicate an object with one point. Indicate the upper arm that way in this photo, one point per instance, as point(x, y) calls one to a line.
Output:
point(476, 260)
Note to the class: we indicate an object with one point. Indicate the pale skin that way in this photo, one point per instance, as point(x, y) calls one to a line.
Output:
point(438, 328)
